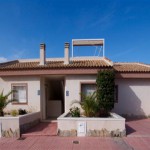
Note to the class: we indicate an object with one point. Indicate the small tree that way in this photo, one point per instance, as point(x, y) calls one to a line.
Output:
point(105, 91)
point(4, 101)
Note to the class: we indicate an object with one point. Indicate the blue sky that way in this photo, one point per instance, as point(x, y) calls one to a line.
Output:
point(124, 24)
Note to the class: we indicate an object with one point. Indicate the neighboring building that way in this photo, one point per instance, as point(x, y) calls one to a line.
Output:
point(49, 85)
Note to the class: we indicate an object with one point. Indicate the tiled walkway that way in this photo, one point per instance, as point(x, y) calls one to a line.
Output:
point(138, 138)
point(44, 128)
point(138, 128)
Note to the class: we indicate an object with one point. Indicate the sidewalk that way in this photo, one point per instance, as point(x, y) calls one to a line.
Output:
point(61, 143)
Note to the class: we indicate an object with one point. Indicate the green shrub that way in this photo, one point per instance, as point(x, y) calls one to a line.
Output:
point(22, 111)
point(105, 91)
point(4, 101)
point(89, 104)
point(7, 112)
point(14, 112)
point(75, 112)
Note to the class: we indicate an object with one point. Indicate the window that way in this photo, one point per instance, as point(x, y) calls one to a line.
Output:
point(116, 94)
point(20, 93)
point(88, 88)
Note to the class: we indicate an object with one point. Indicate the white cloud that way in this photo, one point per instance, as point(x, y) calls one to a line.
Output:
point(17, 54)
point(3, 59)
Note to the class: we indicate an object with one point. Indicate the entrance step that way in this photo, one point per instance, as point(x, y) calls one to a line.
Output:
point(42, 129)
point(49, 120)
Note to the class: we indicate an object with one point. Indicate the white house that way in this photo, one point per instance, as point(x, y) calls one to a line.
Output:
point(49, 85)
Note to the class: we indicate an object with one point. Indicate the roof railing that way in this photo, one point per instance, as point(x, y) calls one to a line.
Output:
point(88, 42)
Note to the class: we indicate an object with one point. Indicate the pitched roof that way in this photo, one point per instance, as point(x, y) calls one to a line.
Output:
point(53, 64)
point(78, 63)
point(131, 67)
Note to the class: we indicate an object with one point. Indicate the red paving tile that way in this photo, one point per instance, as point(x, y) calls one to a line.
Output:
point(42, 129)
point(138, 128)
point(138, 138)
point(138, 143)
point(65, 143)
point(60, 143)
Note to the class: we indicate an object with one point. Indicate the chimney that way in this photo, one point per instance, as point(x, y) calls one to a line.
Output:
point(66, 61)
point(42, 54)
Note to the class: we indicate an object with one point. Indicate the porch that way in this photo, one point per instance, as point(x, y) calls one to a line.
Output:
point(52, 96)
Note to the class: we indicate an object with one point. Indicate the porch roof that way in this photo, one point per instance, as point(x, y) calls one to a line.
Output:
point(131, 67)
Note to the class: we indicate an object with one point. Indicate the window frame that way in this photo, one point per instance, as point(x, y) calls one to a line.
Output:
point(26, 87)
point(81, 87)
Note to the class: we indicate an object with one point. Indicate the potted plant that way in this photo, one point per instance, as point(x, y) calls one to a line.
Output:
point(75, 112)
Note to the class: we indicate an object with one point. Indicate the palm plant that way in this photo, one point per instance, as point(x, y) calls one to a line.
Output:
point(89, 104)
point(4, 101)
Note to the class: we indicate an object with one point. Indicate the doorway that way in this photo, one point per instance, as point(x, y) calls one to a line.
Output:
point(54, 97)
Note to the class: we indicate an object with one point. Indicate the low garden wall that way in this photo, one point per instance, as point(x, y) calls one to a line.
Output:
point(94, 126)
point(14, 126)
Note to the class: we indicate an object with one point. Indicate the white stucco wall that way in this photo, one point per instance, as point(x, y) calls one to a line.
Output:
point(72, 84)
point(133, 97)
point(133, 94)
point(33, 87)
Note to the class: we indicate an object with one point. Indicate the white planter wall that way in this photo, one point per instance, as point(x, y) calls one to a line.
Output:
point(68, 124)
point(14, 126)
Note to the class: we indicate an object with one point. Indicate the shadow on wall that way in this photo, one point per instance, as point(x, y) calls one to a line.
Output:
point(130, 100)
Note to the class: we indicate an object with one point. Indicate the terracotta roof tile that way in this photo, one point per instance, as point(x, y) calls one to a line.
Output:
point(131, 67)
point(16, 65)
point(93, 63)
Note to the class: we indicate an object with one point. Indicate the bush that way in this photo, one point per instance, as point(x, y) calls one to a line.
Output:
point(75, 112)
point(4, 101)
point(89, 104)
point(22, 111)
point(14, 112)
point(105, 91)
point(7, 112)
